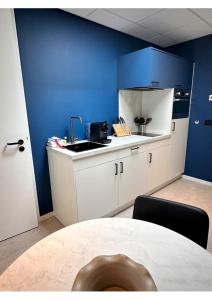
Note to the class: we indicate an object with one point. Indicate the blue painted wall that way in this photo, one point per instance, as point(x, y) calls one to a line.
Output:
point(199, 158)
point(69, 68)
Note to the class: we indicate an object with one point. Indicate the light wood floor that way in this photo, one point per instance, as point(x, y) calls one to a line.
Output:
point(11, 248)
point(188, 192)
point(182, 190)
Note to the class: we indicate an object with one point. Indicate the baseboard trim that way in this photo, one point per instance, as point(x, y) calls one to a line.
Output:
point(197, 180)
point(120, 209)
point(45, 217)
point(130, 203)
point(163, 185)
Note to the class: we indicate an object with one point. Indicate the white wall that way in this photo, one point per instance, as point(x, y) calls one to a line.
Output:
point(156, 104)
point(130, 106)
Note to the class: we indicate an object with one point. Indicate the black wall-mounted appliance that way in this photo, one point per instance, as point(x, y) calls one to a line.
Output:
point(181, 104)
point(98, 132)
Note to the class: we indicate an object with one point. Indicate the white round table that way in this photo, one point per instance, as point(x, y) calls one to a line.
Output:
point(175, 262)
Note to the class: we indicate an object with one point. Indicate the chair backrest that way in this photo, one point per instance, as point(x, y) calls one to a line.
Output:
point(187, 220)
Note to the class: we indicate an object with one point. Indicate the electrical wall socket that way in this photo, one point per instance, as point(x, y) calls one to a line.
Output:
point(210, 98)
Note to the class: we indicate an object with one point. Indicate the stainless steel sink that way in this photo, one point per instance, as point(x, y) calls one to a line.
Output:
point(146, 134)
point(79, 147)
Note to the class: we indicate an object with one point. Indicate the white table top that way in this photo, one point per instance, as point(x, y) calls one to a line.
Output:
point(175, 262)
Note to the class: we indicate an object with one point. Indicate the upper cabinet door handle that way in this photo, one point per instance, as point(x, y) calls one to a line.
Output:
point(155, 83)
point(173, 127)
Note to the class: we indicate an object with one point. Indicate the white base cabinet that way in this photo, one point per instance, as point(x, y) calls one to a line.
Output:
point(96, 190)
point(107, 185)
point(133, 176)
point(100, 185)
point(178, 145)
point(158, 165)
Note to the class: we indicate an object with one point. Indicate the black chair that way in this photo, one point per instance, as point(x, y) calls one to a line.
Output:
point(187, 220)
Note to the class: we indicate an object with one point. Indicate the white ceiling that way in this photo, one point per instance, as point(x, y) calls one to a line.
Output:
point(161, 26)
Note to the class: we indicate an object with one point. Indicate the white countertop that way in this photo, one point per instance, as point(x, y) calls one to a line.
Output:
point(174, 262)
point(117, 143)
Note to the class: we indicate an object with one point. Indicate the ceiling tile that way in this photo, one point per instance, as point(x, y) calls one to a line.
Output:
point(203, 12)
point(177, 35)
point(105, 18)
point(163, 27)
point(190, 31)
point(162, 41)
point(134, 14)
point(82, 12)
point(169, 19)
point(139, 31)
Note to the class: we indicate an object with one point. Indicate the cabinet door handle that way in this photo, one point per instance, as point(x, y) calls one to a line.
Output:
point(122, 167)
point(173, 127)
point(135, 148)
point(150, 158)
point(117, 169)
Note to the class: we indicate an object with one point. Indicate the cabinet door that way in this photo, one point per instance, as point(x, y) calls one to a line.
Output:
point(133, 177)
point(162, 72)
point(158, 166)
point(151, 67)
point(178, 146)
point(134, 69)
point(169, 71)
point(96, 189)
point(183, 70)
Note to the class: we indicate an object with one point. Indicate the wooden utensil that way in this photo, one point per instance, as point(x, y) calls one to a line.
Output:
point(122, 128)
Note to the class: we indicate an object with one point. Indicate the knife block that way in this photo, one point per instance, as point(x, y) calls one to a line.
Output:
point(121, 130)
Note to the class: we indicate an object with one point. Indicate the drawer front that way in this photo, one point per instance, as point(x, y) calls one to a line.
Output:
point(89, 162)
point(142, 148)
point(133, 150)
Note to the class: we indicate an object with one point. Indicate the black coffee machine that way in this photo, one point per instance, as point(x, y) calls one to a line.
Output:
point(98, 132)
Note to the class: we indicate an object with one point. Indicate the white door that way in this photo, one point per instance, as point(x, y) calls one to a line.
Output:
point(133, 177)
point(97, 190)
point(17, 184)
point(178, 146)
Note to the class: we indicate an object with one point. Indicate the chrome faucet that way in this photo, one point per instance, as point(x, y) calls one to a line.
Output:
point(72, 138)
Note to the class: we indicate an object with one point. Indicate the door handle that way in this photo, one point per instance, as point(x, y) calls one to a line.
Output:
point(122, 167)
point(117, 169)
point(19, 142)
point(150, 158)
point(173, 128)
